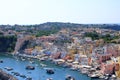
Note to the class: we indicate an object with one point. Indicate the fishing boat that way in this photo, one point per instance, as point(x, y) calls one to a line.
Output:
point(8, 68)
point(28, 78)
point(32, 62)
point(42, 59)
point(1, 61)
point(69, 77)
point(43, 65)
point(94, 76)
point(23, 59)
point(23, 76)
point(16, 73)
point(30, 67)
point(49, 79)
point(49, 71)
point(74, 69)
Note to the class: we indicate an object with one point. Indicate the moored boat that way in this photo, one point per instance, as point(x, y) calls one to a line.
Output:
point(30, 67)
point(49, 79)
point(8, 68)
point(69, 77)
point(1, 61)
point(49, 71)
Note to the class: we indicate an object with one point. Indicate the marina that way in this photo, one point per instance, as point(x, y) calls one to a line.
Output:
point(39, 73)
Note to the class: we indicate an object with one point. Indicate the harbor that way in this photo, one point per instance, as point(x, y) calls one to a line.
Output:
point(39, 73)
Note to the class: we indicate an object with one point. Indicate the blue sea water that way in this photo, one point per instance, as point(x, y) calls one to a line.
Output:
point(39, 73)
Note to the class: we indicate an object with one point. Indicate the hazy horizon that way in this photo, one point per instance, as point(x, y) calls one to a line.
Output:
point(25, 12)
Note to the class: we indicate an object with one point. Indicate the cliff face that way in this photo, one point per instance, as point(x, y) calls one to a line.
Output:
point(7, 43)
point(5, 76)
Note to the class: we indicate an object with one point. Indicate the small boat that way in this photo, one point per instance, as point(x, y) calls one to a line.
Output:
point(30, 67)
point(106, 78)
point(28, 78)
point(102, 76)
point(23, 76)
point(1, 61)
point(84, 71)
point(49, 71)
point(74, 69)
point(43, 65)
point(113, 77)
point(8, 68)
point(16, 73)
point(42, 59)
point(32, 62)
point(69, 77)
point(94, 76)
point(23, 59)
point(49, 79)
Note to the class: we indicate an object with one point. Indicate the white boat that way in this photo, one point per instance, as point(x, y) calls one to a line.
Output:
point(69, 77)
point(94, 76)
point(74, 69)
point(49, 79)
point(43, 65)
point(101, 77)
point(8, 68)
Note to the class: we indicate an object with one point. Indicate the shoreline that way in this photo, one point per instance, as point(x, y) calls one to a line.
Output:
point(83, 69)
point(5, 76)
point(68, 65)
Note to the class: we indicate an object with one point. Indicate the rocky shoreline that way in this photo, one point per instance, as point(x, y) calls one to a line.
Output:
point(6, 76)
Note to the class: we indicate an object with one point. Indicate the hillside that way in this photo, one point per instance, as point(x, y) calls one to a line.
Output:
point(57, 26)
point(7, 43)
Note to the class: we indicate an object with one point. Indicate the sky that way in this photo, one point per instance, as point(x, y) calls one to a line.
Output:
point(74, 11)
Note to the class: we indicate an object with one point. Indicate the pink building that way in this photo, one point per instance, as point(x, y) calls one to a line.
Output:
point(107, 68)
point(110, 51)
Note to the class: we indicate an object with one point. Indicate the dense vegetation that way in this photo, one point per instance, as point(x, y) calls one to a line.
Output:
point(107, 38)
point(93, 35)
point(57, 26)
point(46, 32)
point(7, 43)
point(113, 27)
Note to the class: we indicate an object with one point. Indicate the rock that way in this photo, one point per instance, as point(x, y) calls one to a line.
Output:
point(6, 76)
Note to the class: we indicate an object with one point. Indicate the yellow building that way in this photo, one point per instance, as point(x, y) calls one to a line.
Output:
point(38, 48)
point(118, 71)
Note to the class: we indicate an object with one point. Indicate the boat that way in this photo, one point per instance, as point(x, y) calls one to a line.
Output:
point(30, 67)
point(8, 68)
point(49, 71)
point(113, 77)
point(94, 76)
point(32, 62)
point(69, 77)
point(42, 59)
point(74, 69)
point(106, 78)
point(1, 61)
point(49, 79)
point(84, 71)
point(28, 78)
point(43, 65)
point(23, 59)
point(16, 73)
point(23, 76)
point(101, 76)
